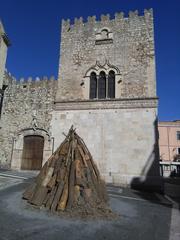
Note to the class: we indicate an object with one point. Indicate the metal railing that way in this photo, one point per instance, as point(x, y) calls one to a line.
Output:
point(170, 169)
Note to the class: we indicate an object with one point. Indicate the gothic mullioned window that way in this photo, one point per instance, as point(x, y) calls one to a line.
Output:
point(102, 86)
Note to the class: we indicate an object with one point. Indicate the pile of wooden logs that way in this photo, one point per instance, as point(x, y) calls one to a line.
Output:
point(69, 180)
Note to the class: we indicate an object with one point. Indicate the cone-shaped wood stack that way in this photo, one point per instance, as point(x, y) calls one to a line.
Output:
point(69, 180)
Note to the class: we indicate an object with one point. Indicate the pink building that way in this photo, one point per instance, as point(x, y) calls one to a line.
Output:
point(169, 140)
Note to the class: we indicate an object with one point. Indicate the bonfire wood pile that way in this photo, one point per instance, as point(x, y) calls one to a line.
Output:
point(69, 180)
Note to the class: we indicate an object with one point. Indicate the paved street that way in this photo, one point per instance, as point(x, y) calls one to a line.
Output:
point(141, 216)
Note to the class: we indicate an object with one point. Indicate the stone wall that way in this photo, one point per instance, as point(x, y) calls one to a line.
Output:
point(124, 44)
point(121, 139)
point(27, 104)
point(3, 52)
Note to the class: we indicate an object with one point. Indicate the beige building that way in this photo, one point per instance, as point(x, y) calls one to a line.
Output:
point(169, 140)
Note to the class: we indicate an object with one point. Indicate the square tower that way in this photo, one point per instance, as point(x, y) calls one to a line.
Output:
point(107, 90)
point(119, 49)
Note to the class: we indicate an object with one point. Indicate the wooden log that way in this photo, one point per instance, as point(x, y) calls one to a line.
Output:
point(67, 161)
point(64, 149)
point(76, 194)
point(71, 186)
point(48, 176)
point(82, 154)
point(29, 191)
point(64, 197)
point(86, 157)
point(38, 196)
point(52, 181)
point(62, 182)
point(50, 197)
point(57, 196)
point(88, 193)
point(61, 174)
point(58, 165)
point(89, 179)
point(78, 179)
point(46, 197)
point(41, 174)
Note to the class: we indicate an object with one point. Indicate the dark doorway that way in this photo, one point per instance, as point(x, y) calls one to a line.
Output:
point(32, 153)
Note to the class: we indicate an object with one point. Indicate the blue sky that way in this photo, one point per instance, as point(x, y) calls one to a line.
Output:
point(33, 27)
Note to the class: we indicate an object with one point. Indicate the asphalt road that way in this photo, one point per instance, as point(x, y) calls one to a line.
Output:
point(141, 216)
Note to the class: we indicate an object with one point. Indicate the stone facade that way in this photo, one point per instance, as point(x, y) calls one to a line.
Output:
point(127, 48)
point(120, 131)
point(4, 43)
point(27, 110)
point(120, 139)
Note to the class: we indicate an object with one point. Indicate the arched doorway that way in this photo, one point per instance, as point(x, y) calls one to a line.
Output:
point(32, 152)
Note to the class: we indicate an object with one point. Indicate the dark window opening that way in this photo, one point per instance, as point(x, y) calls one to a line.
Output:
point(102, 85)
point(178, 151)
point(178, 135)
point(93, 85)
point(104, 34)
point(111, 84)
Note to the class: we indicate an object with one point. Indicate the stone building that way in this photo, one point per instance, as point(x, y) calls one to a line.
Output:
point(106, 88)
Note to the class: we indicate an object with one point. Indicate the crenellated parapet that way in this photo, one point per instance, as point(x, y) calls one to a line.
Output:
point(36, 80)
point(13, 84)
point(8, 78)
point(30, 80)
point(67, 25)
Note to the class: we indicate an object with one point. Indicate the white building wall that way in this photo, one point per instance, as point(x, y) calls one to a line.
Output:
point(121, 141)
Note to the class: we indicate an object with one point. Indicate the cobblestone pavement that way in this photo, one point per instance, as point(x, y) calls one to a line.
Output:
point(141, 216)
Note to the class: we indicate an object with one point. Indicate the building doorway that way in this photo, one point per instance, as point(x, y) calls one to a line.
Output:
point(32, 156)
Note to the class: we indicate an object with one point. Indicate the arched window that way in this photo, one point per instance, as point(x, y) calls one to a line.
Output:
point(104, 34)
point(93, 85)
point(111, 84)
point(102, 85)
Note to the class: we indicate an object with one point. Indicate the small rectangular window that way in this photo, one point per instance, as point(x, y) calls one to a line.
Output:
point(178, 135)
point(178, 151)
